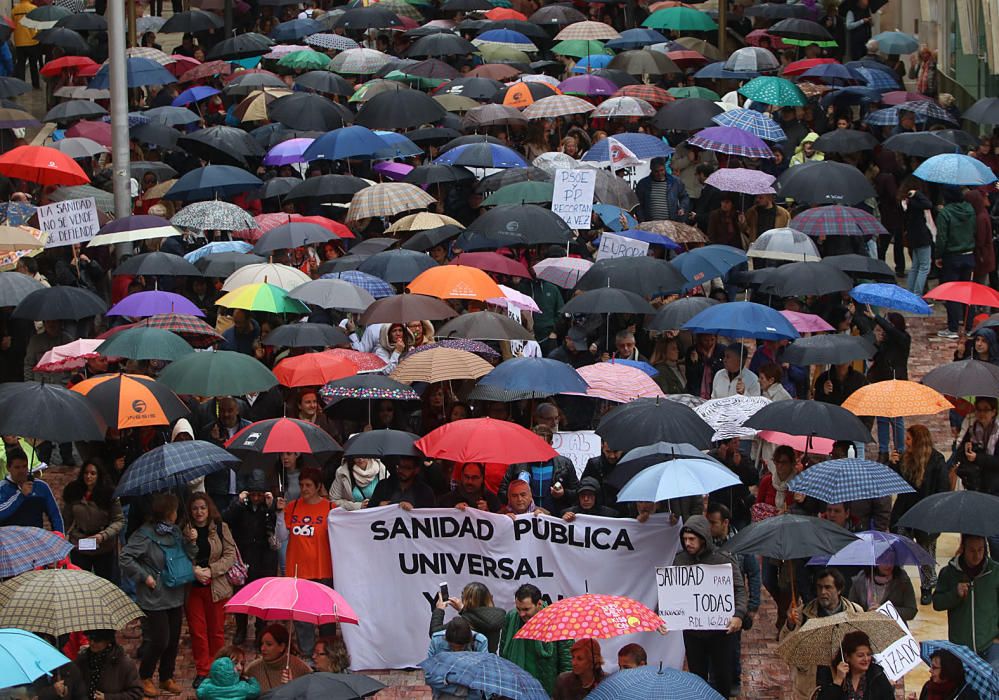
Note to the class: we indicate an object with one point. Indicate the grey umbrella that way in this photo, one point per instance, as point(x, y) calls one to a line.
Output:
point(14, 287)
point(79, 147)
point(333, 294)
point(162, 171)
point(213, 216)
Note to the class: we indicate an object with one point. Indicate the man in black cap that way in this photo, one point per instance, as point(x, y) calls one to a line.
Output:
point(586, 495)
point(574, 349)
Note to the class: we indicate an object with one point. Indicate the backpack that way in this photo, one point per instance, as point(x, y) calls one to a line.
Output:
point(177, 567)
point(238, 574)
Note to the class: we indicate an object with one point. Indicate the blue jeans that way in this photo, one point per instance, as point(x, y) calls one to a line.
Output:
point(888, 426)
point(992, 656)
point(957, 268)
point(920, 270)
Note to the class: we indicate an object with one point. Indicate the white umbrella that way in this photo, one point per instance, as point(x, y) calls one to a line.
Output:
point(282, 276)
point(784, 244)
point(726, 415)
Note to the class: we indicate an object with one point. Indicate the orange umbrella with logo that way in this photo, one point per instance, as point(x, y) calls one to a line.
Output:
point(313, 369)
point(456, 282)
point(896, 398)
point(523, 93)
point(132, 400)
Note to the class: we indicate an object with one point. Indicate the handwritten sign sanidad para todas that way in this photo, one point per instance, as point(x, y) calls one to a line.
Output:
point(72, 221)
point(698, 597)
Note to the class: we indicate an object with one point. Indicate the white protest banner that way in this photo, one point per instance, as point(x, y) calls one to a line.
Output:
point(614, 246)
point(72, 221)
point(698, 597)
point(902, 656)
point(388, 563)
point(572, 198)
point(577, 445)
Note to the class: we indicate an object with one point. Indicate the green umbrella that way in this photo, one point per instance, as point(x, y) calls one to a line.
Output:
point(577, 48)
point(778, 92)
point(217, 373)
point(305, 60)
point(694, 91)
point(503, 54)
point(414, 80)
point(521, 193)
point(145, 344)
point(680, 19)
point(374, 87)
point(809, 42)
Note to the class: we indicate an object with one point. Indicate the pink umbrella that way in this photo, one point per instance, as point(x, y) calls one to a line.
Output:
point(617, 382)
point(806, 323)
point(70, 356)
point(513, 299)
point(365, 361)
point(290, 598)
point(563, 272)
point(95, 131)
point(819, 445)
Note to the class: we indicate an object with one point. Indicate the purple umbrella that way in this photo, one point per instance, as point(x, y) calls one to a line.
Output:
point(143, 304)
point(392, 170)
point(195, 94)
point(742, 180)
point(730, 140)
point(874, 547)
point(288, 152)
point(587, 85)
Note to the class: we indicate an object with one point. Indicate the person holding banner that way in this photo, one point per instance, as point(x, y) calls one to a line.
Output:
point(553, 483)
point(543, 660)
point(854, 673)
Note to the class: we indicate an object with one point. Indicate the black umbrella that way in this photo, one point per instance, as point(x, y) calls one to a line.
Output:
point(277, 187)
point(224, 264)
point(845, 141)
point(437, 174)
point(559, 15)
point(12, 87)
point(309, 112)
point(475, 88)
point(243, 85)
point(73, 110)
point(984, 111)
point(834, 349)
point(806, 278)
point(788, 537)
point(801, 29)
point(618, 77)
point(672, 316)
point(163, 137)
point(399, 109)
point(441, 45)
point(688, 114)
point(639, 458)
point(425, 240)
point(645, 276)
point(432, 136)
point(608, 300)
point(66, 39)
point(520, 224)
point(862, 266)
point(773, 11)
point(241, 46)
point(324, 81)
point(190, 22)
point(370, 246)
point(466, 6)
point(362, 18)
point(342, 264)
point(84, 22)
point(642, 62)
point(511, 176)
point(967, 512)
point(48, 412)
point(293, 234)
point(471, 138)
point(382, 443)
point(798, 417)
point(157, 265)
point(921, 144)
point(59, 303)
point(644, 421)
point(825, 182)
point(432, 68)
point(484, 325)
point(306, 335)
point(965, 378)
point(403, 308)
point(327, 187)
point(397, 266)
point(538, 91)
point(14, 287)
point(222, 145)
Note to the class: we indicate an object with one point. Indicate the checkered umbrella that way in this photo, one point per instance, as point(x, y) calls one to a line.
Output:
point(588, 30)
point(840, 480)
point(624, 107)
point(387, 199)
point(754, 122)
point(730, 140)
point(655, 96)
point(489, 673)
point(74, 6)
point(358, 61)
point(978, 674)
point(212, 216)
point(375, 286)
point(557, 106)
point(879, 80)
point(60, 601)
point(191, 328)
point(837, 220)
point(333, 42)
point(171, 466)
point(742, 180)
point(889, 117)
point(150, 53)
point(24, 548)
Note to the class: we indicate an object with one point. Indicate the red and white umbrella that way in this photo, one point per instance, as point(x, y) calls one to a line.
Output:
point(617, 382)
point(68, 357)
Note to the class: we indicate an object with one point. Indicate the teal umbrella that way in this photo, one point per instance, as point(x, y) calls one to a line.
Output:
point(680, 19)
point(521, 193)
point(145, 344)
point(778, 92)
point(217, 373)
point(307, 59)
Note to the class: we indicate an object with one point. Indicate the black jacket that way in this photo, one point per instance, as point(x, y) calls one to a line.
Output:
point(696, 368)
point(251, 528)
point(420, 495)
point(600, 469)
point(891, 361)
point(563, 471)
point(915, 220)
point(935, 480)
point(878, 685)
point(486, 621)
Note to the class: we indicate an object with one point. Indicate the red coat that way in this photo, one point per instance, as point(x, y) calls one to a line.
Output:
point(985, 253)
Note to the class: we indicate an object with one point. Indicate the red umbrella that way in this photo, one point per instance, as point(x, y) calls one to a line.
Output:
point(501, 13)
point(485, 440)
point(205, 70)
point(95, 131)
point(493, 262)
point(754, 38)
point(799, 67)
point(970, 293)
point(313, 369)
point(265, 222)
point(590, 616)
point(277, 435)
point(686, 58)
point(364, 361)
point(42, 165)
point(66, 63)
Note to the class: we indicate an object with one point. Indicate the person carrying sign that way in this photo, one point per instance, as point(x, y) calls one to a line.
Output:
point(709, 653)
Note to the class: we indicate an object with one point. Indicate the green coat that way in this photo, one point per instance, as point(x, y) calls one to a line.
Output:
point(549, 299)
point(543, 660)
point(224, 683)
point(955, 229)
point(982, 602)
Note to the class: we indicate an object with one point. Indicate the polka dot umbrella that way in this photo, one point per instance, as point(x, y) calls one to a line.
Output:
point(590, 616)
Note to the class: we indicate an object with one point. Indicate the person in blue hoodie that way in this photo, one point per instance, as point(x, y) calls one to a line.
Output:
point(457, 636)
point(25, 500)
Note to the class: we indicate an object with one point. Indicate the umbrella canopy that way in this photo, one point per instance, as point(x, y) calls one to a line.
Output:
point(24, 657)
point(382, 443)
point(25, 548)
point(387, 199)
point(732, 141)
point(978, 674)
point(192, 329)
point(484, 325)
point(60, 601)
point(276, 435)
point(890, 296)
point(608, 300)
point(274, 274)
point(862, 266)
point(288, 598)
point(650, 682)
point(157, 264)
point(742, 180)
point(262, 297)
point(312, 369)
point(43, 165)
point(333, 294)
point(145, 344)
point(837, 220)
point(841, 480)
point(14, 287)
point(743, 319)
point(645, 421)
point(799, 417)
point(617, 382)
point(440, 365)
point(485, 440)
point(455, 282)
point(680, 19)
point(845, 141)
point(397, 266)
point(955, 169)
point(784, 244)
point(171, 466)
point(368, 387)
point(896, 398)
point(874, 547)
point(677, 478)
point(969, 512)
point(488, 673)
point(965, 378)
point(726, 415)
point(48, 412)
point(821, 638)
point(590, 616)
point(404, 308)
point(674, 315)
point(963, 293)
point(70, 356)
point(778, 92)
point(787, 537)
point(211, 216)
point(212, 182)
point(644, 276)
point(538, 376)
point(305, 335)
point(804, 278)
point(835, 349)
point(331, 686)
point(131, 400)
point(217, 373)
point(563, 272)
point(825, 182)
point(139, 72)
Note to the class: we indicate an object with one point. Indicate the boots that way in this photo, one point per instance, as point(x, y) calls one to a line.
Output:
point(149, 688)
point(926, 595)
point(170, 687)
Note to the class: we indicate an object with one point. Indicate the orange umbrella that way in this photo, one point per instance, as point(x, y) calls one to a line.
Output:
point(896, 398)
point(500, 13)
point(132, 400)
point(313, 369)
point(523, 94)
point(455, 282)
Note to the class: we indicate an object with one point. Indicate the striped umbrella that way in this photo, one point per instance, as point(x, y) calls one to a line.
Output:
point(262, 296)
point(730, 140)
point(655, 96)
point(24, 548)
point(754, 122)
point(387, 199)
point(440, 365)
point(557, 106)
point(132, 400)
point(616, 382)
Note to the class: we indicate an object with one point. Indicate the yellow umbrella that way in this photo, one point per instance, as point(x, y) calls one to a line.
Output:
point(422, 221)
point(253, 107)
point(896, 398)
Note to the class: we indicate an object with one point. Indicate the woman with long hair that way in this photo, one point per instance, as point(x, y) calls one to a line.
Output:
point(587, 671)
point(925, 469)
point(92, 515)
point(476, 606)
point(668, 359)
point(355, 481)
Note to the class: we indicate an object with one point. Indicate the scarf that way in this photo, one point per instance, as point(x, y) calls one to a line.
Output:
point(781, 488)
point(923, 77)
point(164, 528)
point(95, 664)
point(985, 435)
point(944, 690)
point(365, 475)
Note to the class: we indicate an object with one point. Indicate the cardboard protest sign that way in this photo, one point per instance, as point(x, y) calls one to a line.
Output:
point(72, 221)
point(698, 597)
point(577, 445)
point(614, 246)
point(572, 198)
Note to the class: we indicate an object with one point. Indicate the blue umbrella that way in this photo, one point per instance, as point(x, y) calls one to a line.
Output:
point(639, 38)
point(25, 657)
point(538, 376)
point(896, 42)
point(756, 123)
point(23, 548)
point(717, 71)
point(841, 480)
point(648, 237)
point(347, 142)
point(638, 364)
point(172, 466)
point(888, 117)
point(677, 478)
point(879, 80)
point(851, 95)
point(611, 217)
point(216, 247)
point(834, 71)
point(743, 319)
point(296, 29)
point(647, 682)
point(955, 169)
point(139, 72)
point(478, 670)
point(591, 63)
point(703, 264)
point(212, 182)
point(505, 36)
point(482, 155)
point(375, 286)
point(890, 296)
point(875, 547)
point(195, 94)
point(978, 673)
point(397, 145)
point(642, 145)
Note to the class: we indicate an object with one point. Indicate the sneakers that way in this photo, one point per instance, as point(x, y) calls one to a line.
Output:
point(149, 688)
point(170, 687)
point(950, 335)
point(926, 596)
